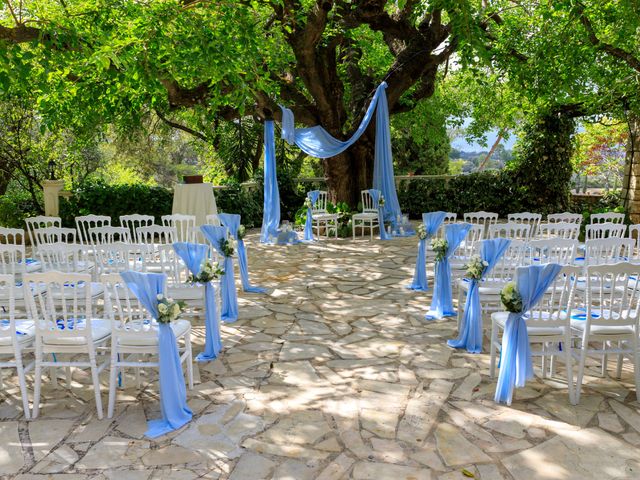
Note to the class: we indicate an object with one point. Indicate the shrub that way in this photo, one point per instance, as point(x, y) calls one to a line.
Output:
point(248, 204)
point(15, 206)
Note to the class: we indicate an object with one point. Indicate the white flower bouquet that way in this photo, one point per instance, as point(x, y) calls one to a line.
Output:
point(381, 201)
point(476, 267)
point(208, 272)
point(242, 231)
point(511, 298)
point(439, 246)
point(307, 203)
point(169, 309)
point(227, 246)
point(422, 231)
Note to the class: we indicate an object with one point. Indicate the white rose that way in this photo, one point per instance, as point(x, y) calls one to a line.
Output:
point(175, 310)
point(160, 296)
point(162, 308)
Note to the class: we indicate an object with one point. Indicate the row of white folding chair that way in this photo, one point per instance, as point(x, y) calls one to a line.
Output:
point(567, 230)
point(605, 230)
point(607, 316)
point(608, 217)
point(565, 217)
point(67, 324)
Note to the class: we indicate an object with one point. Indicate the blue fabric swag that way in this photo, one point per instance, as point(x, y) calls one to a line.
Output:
point(228, 285)
point(194, 255)
point(515, 358)
point(271, 212)
point(442, 302)
point(432, 222)
point(308, 224)
point(470, 336)
point(173, 392)
point(232, 222)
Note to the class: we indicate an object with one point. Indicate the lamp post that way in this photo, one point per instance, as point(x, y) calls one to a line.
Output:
point(52, 169)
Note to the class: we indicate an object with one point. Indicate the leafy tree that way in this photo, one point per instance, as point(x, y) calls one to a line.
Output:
point(600, 152)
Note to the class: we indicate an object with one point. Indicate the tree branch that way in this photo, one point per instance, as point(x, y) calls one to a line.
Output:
point(179, 126)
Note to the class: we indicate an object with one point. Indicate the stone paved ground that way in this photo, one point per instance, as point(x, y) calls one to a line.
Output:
point(334, 375)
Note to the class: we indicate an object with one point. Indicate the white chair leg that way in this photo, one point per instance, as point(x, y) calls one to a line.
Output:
point(37, 384)
point(189, 359)
point(544, 360)
point(113, 383)
point(96, 382)
point(353, 228)
point(583, 356)
point(636, 364)
point(68, 376)
point(568, 358)
point(620, 360)
point(23, 386)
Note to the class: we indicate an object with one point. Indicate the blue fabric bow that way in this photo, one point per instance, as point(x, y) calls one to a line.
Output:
point(515, 359)
point(470, 336)
point(229, 297)
point(271, 210)
point(432, 222)
point(232, 222)
point(173, 392)
point(308, 224)
point(375, 195)
point(194, 255)
point(442, 302)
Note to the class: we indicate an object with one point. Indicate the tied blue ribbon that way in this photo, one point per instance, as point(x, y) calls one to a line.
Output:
point(583, 314)
point(232, 222)
point(308, 224)
point(432, 222)
point(173, 392)
point(442, 302)
point(228, 285)
point(470, 336)
point(375, 195)
point(516, 366)
point(194, 255)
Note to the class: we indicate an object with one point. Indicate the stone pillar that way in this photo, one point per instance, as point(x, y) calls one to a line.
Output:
point(52, 190)
point(631, 184)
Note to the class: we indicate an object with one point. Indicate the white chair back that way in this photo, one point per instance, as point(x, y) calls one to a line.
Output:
point(86, 222)
point(368, 205)
point(613, 295)
point(513, 257)
point(320, 205)
point(12, 236)
point(41, 221)
point(551, 310)
point(156, 235)
point(526, 218)
point(102, 235)
point(471, 243)
point(64, 258)
point(565, 217)
point(119, 257)
point(608, 217)
point(553, 250)
point(213, 219)
point(135, 220)
point(8, 334)
point(450, 217)
point(565, 230)
point(605, 230)
point(184, 225)
point(634, 234)
point(54, 235)
point(12, 260)
point(607, 250)
point(512, 230)
point(481, 218)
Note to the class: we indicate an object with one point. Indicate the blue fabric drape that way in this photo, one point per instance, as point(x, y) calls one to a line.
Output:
point(232, 222)
point(515, 359)
point(375, 195)
point(308, 225)
point(228, 285)
point(317, 142)
point(442, 302)
point(271, 212)
point(173, 392)
point(470, 336)
point(432, 222)
point(194, 255)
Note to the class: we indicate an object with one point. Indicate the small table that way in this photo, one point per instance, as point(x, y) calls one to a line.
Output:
point(194, 199)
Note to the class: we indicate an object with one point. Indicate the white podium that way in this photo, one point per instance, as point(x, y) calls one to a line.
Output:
point(194, 199)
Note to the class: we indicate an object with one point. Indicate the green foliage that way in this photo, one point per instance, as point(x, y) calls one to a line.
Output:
point(247, 203)
point(15, 206)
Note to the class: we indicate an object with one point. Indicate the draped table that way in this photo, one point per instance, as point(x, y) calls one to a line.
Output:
point(194, 199)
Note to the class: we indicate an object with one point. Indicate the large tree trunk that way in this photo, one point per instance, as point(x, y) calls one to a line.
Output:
point(631, 185)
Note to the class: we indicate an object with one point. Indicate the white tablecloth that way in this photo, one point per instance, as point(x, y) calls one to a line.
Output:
point(194, 199)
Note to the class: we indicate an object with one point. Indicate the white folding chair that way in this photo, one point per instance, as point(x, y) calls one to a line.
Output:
point(469, 246)
point(66, 326)
point(511, 230)
point(605, 230)
point(481, 218)
point(65, 258)
point(321, 218)
point(156, 235)
point(608, 217)
point(41, 221)
point(184, 225)
point(16, 338)
point(213, 219)
point(13, 261)
point(565, 217)
point(134, 221)
point(526, 218)
point(610, 318)
point(134, 335)
point(54, 235)
point(368, 218)
point(12, 236)
point(120, 257)
point(102, 235)
point(548, 325)
point(566, 230)
point(553, 250)
point(607, 250)
point(86, 222)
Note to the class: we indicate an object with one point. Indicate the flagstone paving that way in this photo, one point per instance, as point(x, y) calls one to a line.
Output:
point(335, 374)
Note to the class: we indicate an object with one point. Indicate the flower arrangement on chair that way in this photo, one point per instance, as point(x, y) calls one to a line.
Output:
point(209, 271)
point(242, 231)
point(169, 309)
point(227, 246)
point(422, 231)
point(511, 298)
point(308, 203)
point(381, 201)
point(439, 246)
point(475, 268)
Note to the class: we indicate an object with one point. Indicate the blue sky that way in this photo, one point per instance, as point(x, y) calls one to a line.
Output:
point(461, 144)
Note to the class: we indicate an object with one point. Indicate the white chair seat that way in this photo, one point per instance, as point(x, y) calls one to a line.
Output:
point(534, 331)
point(96, 290)
point(598, 330)
point(185, 293)
point(150, 338)
point(324, 216)
point(365, 216)
point(486, 288)
point(26, 331)
point(100, 330)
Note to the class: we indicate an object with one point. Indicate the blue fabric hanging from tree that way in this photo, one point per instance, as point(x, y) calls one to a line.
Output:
point(317, 142)
point(271, 211)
